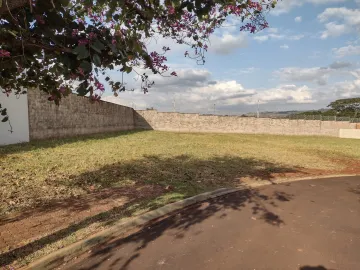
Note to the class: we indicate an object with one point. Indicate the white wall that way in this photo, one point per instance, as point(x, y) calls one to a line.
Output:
point(17, 108)
point(350, 133)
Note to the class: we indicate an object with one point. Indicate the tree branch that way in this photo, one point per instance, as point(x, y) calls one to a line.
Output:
point(12, 4)
point(49, 48)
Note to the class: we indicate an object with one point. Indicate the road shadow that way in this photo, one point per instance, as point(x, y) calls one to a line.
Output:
point(320, 267)
point(183, 176)
point(181, 221)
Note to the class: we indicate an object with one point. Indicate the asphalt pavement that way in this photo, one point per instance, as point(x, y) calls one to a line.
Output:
point(303, 225)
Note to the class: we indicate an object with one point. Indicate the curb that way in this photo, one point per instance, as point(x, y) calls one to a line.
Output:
point(57, 258)
point(65, 254)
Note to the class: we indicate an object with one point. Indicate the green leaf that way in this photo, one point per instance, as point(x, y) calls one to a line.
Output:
point(113, 48)
point(65, 60)
point(82, 90)
point(5, 119)
point(81, 51)
point(128, 69)
point(97, 60)
point(86, 66)
point(97, 46)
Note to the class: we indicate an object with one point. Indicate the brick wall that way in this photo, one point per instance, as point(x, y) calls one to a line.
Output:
point(74, 116)
point(185, 122)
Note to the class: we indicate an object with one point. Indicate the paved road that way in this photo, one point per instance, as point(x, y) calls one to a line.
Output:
point(305, 225)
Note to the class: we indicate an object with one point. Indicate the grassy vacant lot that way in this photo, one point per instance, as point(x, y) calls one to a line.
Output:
point(85, 184)
point(32, 174)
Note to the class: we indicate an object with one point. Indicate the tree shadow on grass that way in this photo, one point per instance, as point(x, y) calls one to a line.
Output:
point(184, 173)
point(177, 177)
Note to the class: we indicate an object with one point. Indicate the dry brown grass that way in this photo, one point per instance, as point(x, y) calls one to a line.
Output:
point(32, 174)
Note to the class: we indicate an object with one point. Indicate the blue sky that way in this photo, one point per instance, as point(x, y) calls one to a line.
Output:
point(308, 57)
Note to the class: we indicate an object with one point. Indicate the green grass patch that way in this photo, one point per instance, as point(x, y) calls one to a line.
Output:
point(42, 171)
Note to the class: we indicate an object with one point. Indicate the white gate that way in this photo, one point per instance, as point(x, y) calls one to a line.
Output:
point(17, 109)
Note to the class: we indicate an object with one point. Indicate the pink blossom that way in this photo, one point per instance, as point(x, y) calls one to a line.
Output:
point(81, 71)
point(92, 35)
point(99, 86)
point(4, 53)
point(75, 32)
point(83, 41)
point(173, 73)
point(158, 61)
point(62, 89)
point(39, 19)
point(171, 10)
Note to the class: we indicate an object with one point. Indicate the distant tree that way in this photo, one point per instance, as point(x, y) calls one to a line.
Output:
point(349, 107)
point(346, 107)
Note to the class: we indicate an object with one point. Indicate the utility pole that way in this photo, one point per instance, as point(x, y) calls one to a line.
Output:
point(174, 105)
point(258, 112)
point(214, 109)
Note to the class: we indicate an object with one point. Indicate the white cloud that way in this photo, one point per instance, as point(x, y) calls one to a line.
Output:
point(273, 30)
point(286, 5)
point(317, 75)
point(227, 43)
point(289, 93)
point(247, 70)
point(194, 91)
point(261, 38)
point(285, 46)
point(273, 33)
point(350, 16)
point(346, 51)
point(334, 30)
point(339, 65)
point(224, 91)
point(298, 19)
point(345, 20)
point(349, 89)
point(186, 77)
point(296, 37)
